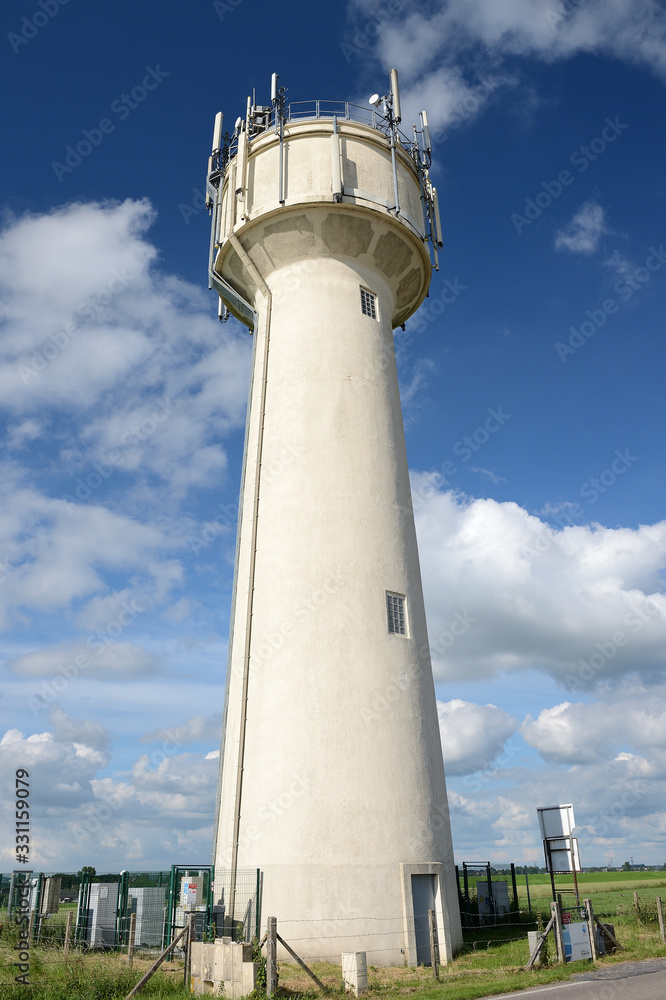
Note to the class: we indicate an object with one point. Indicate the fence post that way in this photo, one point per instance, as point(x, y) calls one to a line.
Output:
point(557, 927)
point(515, 888)
point(188, 948)
point(434, 943)
point(130, 943)
point(68, 930)
point(591, 928)
point(31, 926)
point(637, 906)
point(660, 914)
point(271, 956)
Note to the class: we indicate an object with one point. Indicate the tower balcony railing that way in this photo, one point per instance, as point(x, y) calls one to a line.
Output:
point(342, 110)
point(267, 120)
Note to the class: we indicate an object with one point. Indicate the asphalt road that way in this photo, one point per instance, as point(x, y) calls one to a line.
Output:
point(625, 981)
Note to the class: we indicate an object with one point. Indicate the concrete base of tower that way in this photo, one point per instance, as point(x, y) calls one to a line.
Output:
point(324, 910)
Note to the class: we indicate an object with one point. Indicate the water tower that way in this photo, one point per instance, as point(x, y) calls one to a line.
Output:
point(325, 231)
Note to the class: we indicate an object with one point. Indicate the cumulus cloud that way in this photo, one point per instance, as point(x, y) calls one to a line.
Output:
point(56, 553)
point(104, 327)
point(80, 816)
point(84, 731)
point(580, 733)
point(197, 729)
point(60, 770)
point(119, 385)
point(430, 43)
point(583, 234)
point(618, 806)
point(472, 735)
point(505, 591)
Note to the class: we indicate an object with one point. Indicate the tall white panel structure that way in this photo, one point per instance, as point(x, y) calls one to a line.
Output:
point(331, 781)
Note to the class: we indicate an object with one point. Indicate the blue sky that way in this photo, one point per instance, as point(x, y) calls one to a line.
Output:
point(532, 385)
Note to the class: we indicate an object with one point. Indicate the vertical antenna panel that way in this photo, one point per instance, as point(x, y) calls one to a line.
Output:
point(217, 132)
point(274, 87)
point(395, 94)
point(426, 131)
point(438, 222)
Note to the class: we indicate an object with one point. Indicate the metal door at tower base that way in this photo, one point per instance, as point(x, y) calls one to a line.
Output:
point(424, 888)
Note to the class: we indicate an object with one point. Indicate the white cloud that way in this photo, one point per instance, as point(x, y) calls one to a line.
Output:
point(585, 733)
point(124, 372)
point(108, 660)
point(618, 804)
point(19, 434)
point(492, 476)
point(78, 731)
point(472, 735)
point(197, 729)
point(620, 264)
point(583, 233)
point(429, 44)
point(412, 395)
point(105, 328)
point(506, 591)
point(81, 817)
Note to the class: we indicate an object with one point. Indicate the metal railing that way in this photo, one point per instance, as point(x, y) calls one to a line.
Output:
point(302, 111)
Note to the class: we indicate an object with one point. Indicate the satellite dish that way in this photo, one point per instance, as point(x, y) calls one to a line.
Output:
point(239, 122)
point(375, 100)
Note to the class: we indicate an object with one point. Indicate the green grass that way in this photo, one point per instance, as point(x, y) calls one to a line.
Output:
point(82, 975)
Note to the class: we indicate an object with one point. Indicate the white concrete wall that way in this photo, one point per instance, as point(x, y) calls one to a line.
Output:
point(343, 778)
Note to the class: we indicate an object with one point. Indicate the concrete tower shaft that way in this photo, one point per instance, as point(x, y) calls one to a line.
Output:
point(332, 781)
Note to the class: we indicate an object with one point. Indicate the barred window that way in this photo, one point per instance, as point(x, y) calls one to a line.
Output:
point(368, 303)
point(395, 608)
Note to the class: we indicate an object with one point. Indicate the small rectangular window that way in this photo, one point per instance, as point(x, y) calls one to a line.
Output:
point(368, 303)
point(395, 608)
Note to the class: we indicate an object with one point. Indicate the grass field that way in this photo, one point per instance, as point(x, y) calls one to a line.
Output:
point(489, 964)
point(607, 890)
